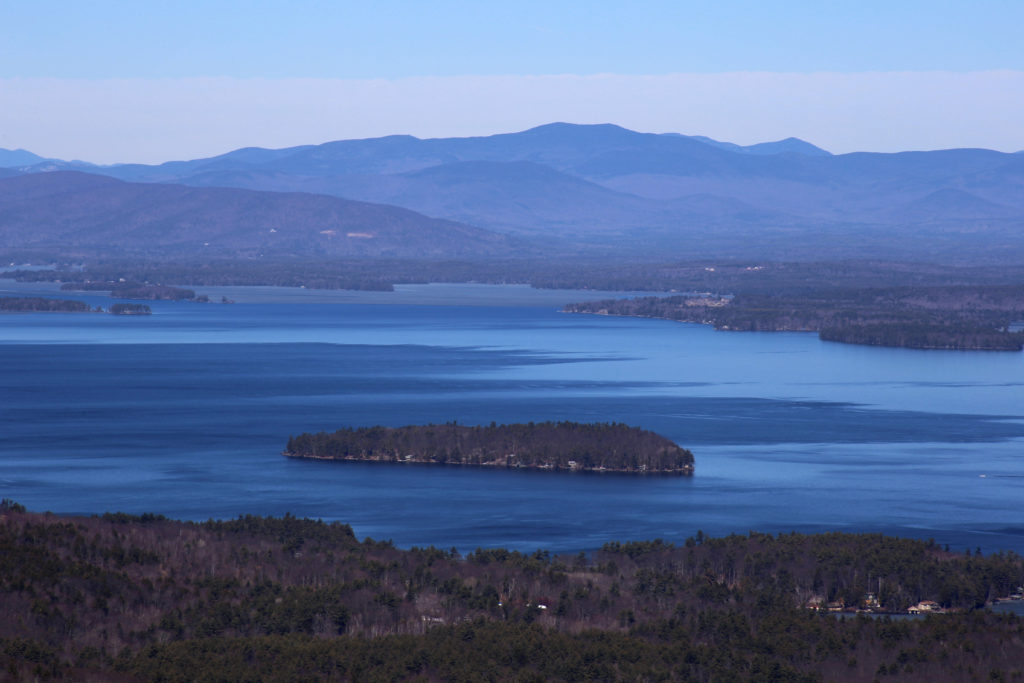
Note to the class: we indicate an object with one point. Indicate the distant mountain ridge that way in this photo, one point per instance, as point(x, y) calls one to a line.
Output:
point(787, 146)
point(606, 187)
point(375, 154)
point(13, 158)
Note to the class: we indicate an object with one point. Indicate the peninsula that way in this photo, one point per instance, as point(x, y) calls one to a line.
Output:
point(561, 446)
point(969, 318)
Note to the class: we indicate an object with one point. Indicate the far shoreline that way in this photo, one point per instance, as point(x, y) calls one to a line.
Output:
point(685, 474)
point(426, 294)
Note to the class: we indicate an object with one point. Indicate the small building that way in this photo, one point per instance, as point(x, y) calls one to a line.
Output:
point(924, 607)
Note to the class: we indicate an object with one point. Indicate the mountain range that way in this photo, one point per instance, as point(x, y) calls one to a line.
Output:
point(603, 188)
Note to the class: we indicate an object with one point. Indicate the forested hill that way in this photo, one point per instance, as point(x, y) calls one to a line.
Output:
point(81, 215)
point(139, 598)
point(545, 445)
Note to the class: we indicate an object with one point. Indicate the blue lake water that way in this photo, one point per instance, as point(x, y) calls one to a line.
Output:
point(185, 413)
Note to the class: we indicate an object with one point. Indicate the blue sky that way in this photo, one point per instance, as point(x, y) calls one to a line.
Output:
point(82, 78)
point(390, 39)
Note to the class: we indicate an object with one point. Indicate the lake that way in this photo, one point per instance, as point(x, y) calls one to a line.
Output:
point(185, 413)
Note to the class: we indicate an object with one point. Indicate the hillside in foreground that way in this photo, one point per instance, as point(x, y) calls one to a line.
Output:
point(146, 598)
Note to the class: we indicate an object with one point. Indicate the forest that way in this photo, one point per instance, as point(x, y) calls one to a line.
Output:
point(12, 304)
point(603, 447)
point(130, 309)
point(35, 304)
point(107, 275)
point(966, 317)
point(142, 597)
point(123, 289)
point(726, 276)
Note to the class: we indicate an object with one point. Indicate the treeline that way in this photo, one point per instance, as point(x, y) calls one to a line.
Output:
point(133, 290)
point(736, 277)
point(949, 317)
point(42, 304)
point(545, 445)
point(770, 278)
point(143, 597)
point(356, 275)
point(924, 335)
point(130, 309)
point(23, 304)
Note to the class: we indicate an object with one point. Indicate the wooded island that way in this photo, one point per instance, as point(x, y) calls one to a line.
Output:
point(36, 304)
point(566, 446)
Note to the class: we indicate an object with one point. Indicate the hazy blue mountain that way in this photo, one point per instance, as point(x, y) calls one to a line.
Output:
point(709, 209)
point(952, 204)
point(594, 185)
point(1003, 184)
point(518, 197)
point(787, 146)
point(605, 154)
point(84, 213)
point(491, 194)
point(559, 145)
point(14, 158)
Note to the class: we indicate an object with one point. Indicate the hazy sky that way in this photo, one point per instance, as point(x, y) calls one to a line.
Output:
point(149, 81)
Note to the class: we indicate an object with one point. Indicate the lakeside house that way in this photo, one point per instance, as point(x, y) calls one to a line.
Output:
point(924, 607)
